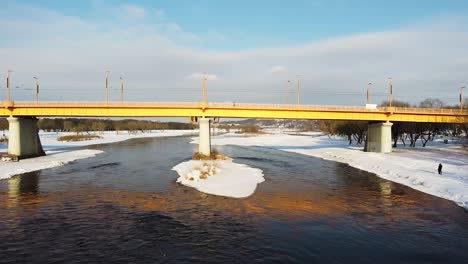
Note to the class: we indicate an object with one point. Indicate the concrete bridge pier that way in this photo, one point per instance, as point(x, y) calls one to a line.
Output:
point(204, 144)
point(379, 137)
point(23, 138)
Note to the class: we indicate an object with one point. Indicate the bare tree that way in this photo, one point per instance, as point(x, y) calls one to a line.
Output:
point(432, 103)
point(3, 126)
point(98, 126)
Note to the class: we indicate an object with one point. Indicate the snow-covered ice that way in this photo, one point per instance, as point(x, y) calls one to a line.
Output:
point(49, 139)
point(53, 159)
point(223, 177)
point(413, 167)
point(56, 158)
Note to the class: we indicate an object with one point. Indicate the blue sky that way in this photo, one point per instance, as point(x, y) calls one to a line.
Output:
point(269, 23)
point(249, 48)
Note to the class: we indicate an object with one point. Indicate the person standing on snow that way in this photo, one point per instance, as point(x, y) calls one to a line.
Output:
point(440, 169)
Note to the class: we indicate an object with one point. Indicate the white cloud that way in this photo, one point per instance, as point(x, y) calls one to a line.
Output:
point(278, 69)
point(174, 27)
point(134, 11)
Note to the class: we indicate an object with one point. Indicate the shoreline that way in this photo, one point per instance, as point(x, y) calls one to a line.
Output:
point(60, 153)
point(412, 167)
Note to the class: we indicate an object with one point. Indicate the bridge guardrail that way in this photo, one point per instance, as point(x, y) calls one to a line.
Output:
point(235, 105)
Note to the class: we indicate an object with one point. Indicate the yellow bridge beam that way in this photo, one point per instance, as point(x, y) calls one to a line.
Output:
point(226, 110)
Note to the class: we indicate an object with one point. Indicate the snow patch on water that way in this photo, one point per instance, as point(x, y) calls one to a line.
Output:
point(219, 177)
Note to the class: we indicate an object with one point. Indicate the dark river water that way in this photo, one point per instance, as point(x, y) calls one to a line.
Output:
point(124, 206)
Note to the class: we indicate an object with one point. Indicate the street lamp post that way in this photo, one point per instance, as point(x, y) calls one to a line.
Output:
point(121, 89)
point(461, 98)
point(368, 92)
point(37, 89)
point(298, 90)
point(391, 92)
point(107, 87)
point(288, 92)
point(8, 84)
point(204, 99)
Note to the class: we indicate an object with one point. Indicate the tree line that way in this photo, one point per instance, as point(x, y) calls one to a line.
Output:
point(80, 125)
point(404, 132)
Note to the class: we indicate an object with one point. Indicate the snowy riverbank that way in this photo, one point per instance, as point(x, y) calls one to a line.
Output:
point(59, 153)
point(413, 167)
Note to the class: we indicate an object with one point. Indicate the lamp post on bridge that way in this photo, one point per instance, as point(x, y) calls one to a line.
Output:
point(288, 92)
point(368, 92)
point(37, 88)
point(8, 85)
point(107, 87)
point(204, 95)
point(298, 90)
point(461, 97)
point(121, 89)
point(391, 92)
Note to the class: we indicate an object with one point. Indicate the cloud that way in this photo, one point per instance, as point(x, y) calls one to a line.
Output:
point(429, 60)
point(173, 27)
point(278, 69)
point(199, 76)
point(134, 12)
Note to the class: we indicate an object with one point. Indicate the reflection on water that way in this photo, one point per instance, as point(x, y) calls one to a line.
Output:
point(25, 186)
point(124, 206)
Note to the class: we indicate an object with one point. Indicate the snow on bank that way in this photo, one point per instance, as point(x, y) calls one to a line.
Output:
point(53, 159)
point(57, 158)
point(49, 139)
point(413, 167)
point(219, 177)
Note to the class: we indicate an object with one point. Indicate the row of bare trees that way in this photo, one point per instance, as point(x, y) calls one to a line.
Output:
point(412, 131)
point(97, 125)
point(404, 132)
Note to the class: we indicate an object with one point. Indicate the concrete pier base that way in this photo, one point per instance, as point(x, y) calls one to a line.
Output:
point(379, 137)
point(204, 145)
point(23, 139)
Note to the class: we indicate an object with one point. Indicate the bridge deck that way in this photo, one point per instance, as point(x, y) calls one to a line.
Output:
point(230, 110)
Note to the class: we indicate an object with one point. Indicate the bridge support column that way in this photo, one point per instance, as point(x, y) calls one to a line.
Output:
point(204, 144)
point(23, 138)
point(379, 137)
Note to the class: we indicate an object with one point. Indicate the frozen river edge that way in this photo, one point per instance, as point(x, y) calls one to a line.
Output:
point(60, 153)
point(413, 167)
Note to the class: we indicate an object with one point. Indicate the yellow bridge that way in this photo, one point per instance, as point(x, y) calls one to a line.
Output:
point(230, 110)
point(24, 140)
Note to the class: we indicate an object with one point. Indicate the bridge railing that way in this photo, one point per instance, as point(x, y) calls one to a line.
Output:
point(284, 106)
point(234, 105)
point(104, 104)
point(336, 108)
point(429, 110)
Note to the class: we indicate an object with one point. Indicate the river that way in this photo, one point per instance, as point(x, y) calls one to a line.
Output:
point(124, 206)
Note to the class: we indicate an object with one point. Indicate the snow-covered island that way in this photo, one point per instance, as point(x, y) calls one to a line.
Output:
point(219, 177)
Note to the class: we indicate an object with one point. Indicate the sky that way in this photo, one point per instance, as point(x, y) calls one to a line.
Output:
point(248, 49)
